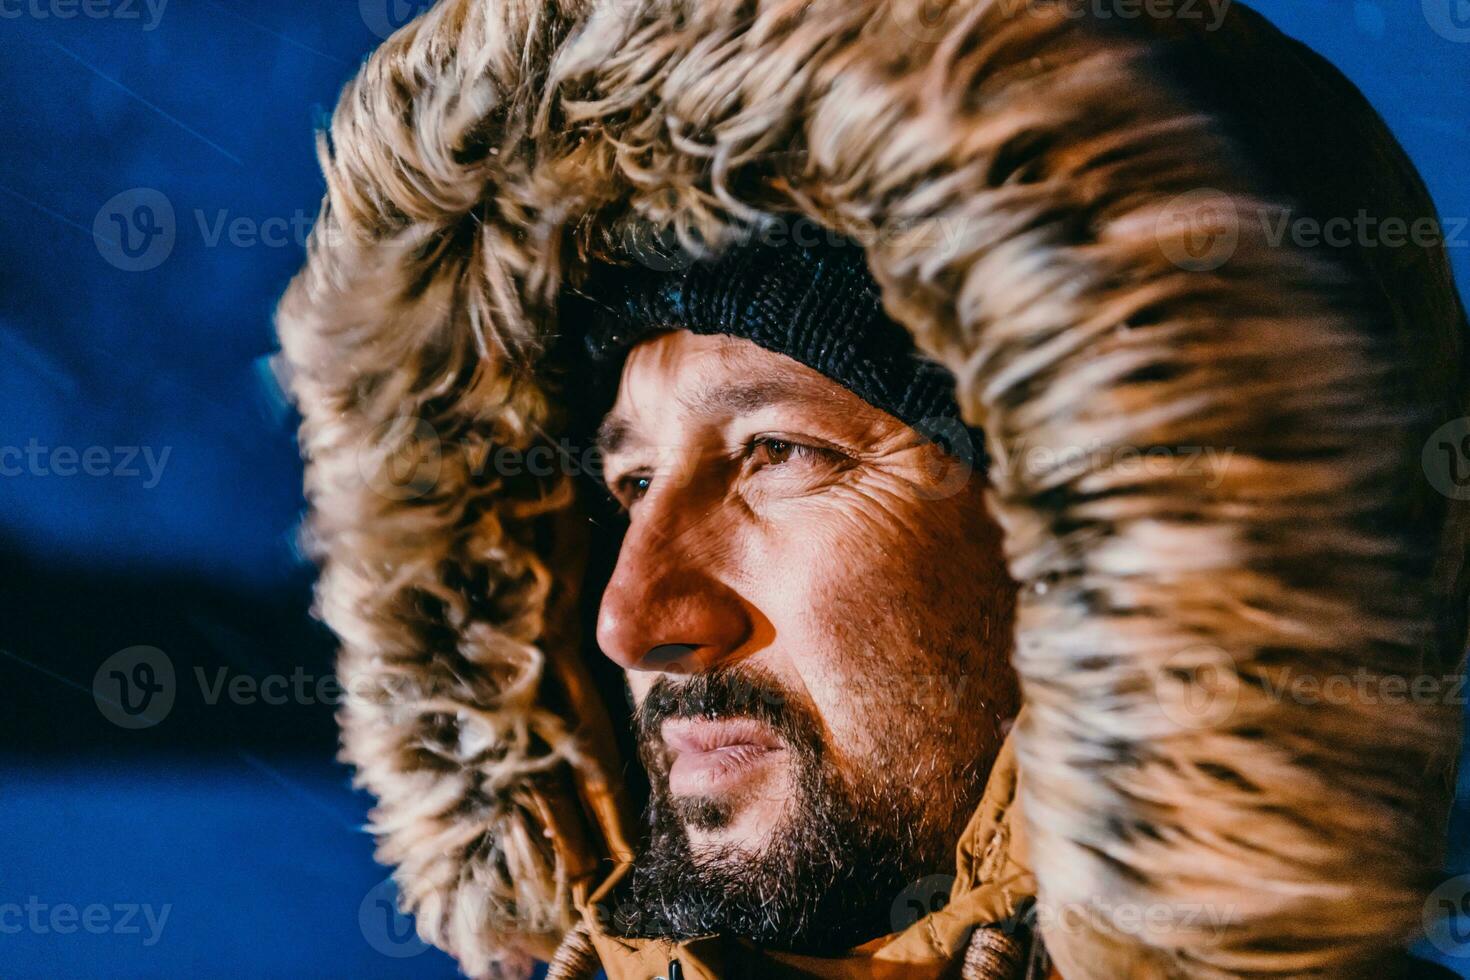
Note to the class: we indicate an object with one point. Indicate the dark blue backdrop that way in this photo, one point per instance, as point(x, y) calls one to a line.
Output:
point(151, 484)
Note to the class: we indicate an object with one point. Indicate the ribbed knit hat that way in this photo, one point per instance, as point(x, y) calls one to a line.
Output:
point(816, 303)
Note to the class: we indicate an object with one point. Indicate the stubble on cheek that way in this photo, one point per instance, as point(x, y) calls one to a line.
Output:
point(918, 687)
point(901, 684)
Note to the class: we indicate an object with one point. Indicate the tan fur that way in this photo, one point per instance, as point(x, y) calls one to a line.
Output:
point(1009, 169)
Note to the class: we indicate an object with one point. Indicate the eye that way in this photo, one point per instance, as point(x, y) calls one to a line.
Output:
point(629, 489)
point(774, 451)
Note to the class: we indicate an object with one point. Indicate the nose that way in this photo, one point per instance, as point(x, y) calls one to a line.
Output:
point(665, 608)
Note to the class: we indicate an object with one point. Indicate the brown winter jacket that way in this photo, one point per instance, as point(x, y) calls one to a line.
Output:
point(1078, 217)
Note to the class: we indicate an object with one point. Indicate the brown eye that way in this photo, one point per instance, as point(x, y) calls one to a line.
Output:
point(773, 451)
point(776, 450)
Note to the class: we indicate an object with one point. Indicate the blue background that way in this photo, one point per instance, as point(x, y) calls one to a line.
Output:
point(235, 816)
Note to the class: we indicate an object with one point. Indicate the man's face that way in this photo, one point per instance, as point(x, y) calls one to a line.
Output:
point(815, 624)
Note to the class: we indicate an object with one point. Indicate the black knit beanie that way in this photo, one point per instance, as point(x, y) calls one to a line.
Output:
point(816, 303)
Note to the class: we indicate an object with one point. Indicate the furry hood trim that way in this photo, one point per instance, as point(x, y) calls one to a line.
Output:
point(1075, 217)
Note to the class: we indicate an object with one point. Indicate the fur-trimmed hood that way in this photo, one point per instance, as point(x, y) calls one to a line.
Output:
point(1074, 216)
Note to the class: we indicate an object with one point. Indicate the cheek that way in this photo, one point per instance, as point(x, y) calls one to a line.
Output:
point(881, 605)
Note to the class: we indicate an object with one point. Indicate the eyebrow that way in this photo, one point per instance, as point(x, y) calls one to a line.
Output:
point(736, 399)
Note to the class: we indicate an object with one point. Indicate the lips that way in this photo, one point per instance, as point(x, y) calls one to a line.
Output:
point(715, 756)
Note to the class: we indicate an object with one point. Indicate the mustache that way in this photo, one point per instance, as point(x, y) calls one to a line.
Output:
point(727, 692)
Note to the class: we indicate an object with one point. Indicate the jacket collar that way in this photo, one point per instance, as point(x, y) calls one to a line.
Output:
point(991, 884)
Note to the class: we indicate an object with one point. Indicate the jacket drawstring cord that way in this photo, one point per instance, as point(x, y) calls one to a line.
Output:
point(575, 958)
point(993, 954)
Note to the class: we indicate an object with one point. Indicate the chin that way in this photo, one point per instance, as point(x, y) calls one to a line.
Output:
point(744, 821)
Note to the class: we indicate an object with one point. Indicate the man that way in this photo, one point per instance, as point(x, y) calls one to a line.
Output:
point(813, 612)
point(965, 579)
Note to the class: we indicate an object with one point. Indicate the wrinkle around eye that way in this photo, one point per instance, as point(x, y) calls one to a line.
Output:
point(793, 479)
point(625, 490)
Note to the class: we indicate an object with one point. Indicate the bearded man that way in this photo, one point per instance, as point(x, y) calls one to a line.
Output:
point(809, 599)
point(977, 476)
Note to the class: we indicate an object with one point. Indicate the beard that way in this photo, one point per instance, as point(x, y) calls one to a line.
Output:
point(829, 872)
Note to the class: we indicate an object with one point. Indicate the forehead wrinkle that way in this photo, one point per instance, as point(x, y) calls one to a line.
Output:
point(745, 397)
point(618, 433)
point(714, 400)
